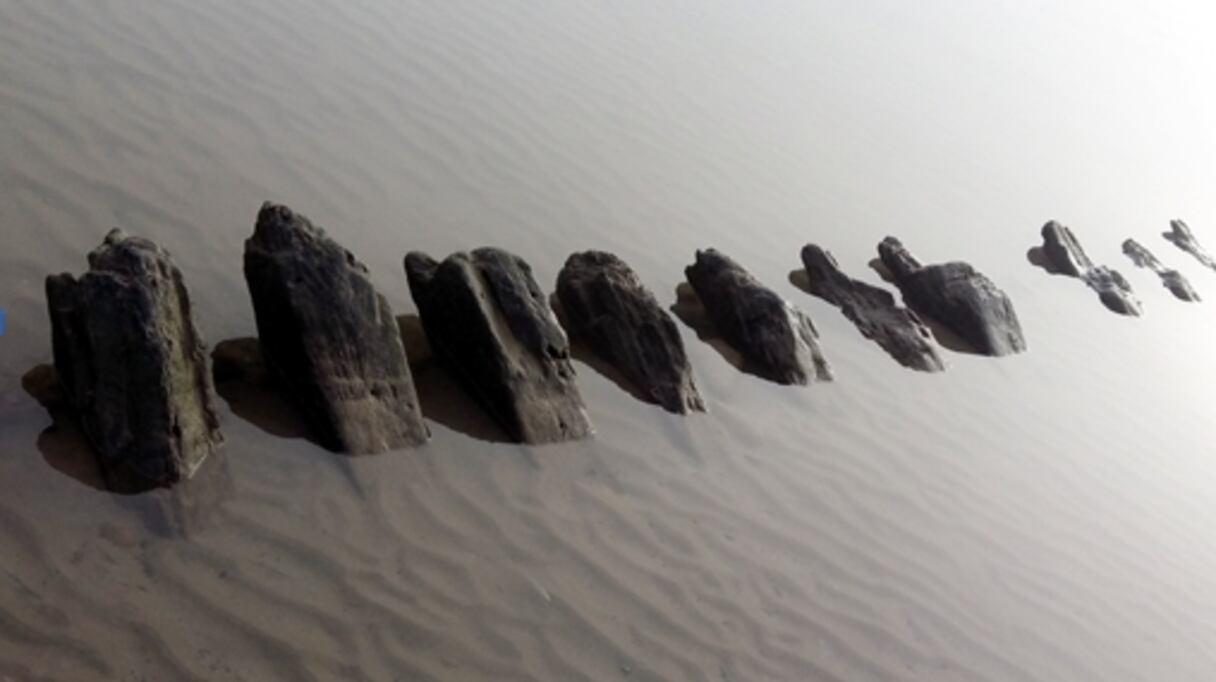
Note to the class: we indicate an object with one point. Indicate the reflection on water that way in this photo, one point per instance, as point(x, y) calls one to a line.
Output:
point(1046, 516)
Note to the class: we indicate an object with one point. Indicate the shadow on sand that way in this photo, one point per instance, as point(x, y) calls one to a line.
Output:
point(186, 508)
point(440, 393)
point(242, 379)
point(581, 351)
point(62, 444)
point(1036, 257)
point(945, 337)
point(689, 309)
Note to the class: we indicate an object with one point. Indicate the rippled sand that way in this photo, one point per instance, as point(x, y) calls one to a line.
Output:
point(1048, 516)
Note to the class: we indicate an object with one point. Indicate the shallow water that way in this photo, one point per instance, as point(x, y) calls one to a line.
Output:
point(1042, 517)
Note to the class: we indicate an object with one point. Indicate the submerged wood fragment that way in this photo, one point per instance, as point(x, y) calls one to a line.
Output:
point(607, 306)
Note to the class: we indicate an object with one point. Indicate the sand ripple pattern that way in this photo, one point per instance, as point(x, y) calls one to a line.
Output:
point(1046, 517)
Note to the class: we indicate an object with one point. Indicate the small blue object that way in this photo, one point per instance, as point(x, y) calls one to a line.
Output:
point(1, 321)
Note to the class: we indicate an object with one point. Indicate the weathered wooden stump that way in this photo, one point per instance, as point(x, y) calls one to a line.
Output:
point(608, 307)
point(133, 366)
point(1064, 253)
point(777, 341)
point(489, 322)
point(1180, 235)
point(897, 330)
point(1170, 279)
point(329, 338)
point(958, 297)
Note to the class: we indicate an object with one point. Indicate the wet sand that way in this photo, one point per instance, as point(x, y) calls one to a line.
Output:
point(1046, 516)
